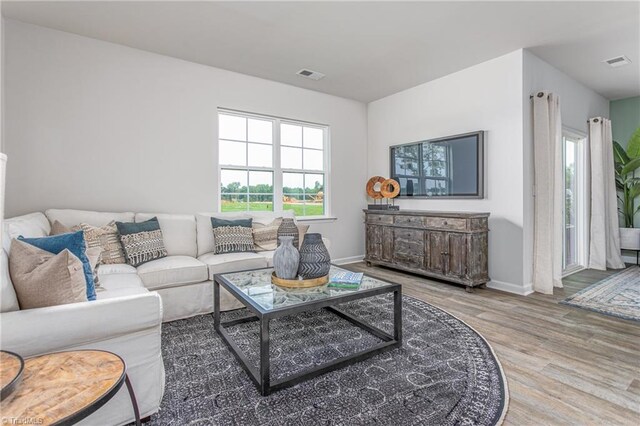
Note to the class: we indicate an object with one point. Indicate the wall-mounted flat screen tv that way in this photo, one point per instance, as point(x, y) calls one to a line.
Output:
point(450, 167)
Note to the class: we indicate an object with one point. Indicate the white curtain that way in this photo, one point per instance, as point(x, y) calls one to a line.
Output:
point(548, 210)
point(604, 245)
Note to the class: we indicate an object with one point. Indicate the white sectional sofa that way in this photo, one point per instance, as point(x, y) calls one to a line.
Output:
point(131, 302)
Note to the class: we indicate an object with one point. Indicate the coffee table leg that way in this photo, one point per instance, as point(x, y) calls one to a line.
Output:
point(397, 315)
point(132, 395)
point(216, 304)
point(264, 357)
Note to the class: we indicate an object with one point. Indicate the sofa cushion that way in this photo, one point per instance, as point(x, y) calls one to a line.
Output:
point(118, 285)
point(178, 231)
point(268, 255)
point(206, 243)
point(172, 271)
point(116, 268)
point(43, 279)
point(232, 262)
point(33, 225)
point(8, 297)
point(71, 217)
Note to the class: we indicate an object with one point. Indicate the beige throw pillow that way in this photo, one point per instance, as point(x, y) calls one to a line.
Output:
point(265, 237)
point(107, 238)
point(45, 279)
point(58, 228)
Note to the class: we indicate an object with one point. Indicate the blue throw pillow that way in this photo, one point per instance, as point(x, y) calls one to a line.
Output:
point(74, 242)
point(217, 223)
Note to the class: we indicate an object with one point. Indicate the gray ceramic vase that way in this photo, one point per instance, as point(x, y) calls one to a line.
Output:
point(286, 259)
point(314, 257)
point(288, 228)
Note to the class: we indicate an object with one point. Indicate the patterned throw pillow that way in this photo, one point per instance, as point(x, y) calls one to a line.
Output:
point(232, 236)
point(142, 242)
point(107, 238)
point(265, 237)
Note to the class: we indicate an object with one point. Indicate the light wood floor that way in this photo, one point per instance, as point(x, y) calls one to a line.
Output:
point(563, 365)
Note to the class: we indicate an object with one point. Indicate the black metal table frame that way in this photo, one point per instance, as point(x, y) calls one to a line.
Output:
point(261, 376)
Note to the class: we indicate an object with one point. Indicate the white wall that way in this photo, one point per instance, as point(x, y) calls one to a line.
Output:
point(578, 103)
point(95, 125)
point(486, 97)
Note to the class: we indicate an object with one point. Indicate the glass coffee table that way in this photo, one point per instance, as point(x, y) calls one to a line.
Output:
point(265, 301)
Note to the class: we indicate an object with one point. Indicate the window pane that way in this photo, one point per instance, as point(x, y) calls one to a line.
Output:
point(233, 181)
point(407, 188)
point(261, 202)
point(313, 138)
point(313, 160)
point(291, 135)
point(291, 158)
point(261, 182)
point(260, 155)
point(292, 182)
point(232, 127)
point(233, 202)
point(233, 153)
point(260, 131)
point(314, 194)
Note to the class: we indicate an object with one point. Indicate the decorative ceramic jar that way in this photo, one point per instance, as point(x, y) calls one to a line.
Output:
point(314, 257)
point(286, 259)
point(288, 228)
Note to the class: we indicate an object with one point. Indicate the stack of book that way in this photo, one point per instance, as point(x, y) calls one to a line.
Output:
point(346, 280)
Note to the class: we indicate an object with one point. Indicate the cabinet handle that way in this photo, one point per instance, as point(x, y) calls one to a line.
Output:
point(445, 222)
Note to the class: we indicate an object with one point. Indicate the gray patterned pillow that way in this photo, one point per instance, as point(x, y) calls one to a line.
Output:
point(232, 236)
point(142, 242)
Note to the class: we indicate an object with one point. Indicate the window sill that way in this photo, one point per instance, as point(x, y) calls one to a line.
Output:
point(316, 219)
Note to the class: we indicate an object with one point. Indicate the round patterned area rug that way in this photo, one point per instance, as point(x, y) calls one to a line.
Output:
point(444, 374)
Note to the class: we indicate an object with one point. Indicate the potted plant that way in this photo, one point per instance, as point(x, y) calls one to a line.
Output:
point(628, 185)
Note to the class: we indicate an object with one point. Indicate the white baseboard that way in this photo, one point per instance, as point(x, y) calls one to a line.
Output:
point(346, 260)
point(511, 288)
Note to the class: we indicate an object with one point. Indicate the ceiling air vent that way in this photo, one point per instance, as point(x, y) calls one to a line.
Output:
point(618, 61)
point(313, 75)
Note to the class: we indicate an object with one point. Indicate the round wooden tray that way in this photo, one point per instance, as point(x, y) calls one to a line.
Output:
point(314, 282)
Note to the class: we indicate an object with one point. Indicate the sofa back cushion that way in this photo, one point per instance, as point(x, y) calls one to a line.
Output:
point(69, 217)
point(205, 239)
point(33, 225)
point(178, 231)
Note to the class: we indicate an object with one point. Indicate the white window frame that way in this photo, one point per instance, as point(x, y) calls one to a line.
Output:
point(582, 235)
point(276, 166)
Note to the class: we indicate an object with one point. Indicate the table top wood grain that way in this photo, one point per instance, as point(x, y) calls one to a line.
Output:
point(57, 386)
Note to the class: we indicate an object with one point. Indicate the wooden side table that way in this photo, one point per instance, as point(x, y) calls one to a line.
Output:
point(11, 368)
point(63, 388)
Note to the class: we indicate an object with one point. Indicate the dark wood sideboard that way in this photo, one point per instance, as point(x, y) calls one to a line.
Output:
point(449, 246)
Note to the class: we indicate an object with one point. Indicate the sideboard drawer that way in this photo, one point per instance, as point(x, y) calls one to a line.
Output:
point(409, 220)
point(446, 223)
point(380, 218)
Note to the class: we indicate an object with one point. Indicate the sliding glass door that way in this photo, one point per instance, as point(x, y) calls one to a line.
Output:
point(574, 226)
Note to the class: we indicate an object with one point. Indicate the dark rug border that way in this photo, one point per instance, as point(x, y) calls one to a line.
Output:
point(569, 300)
point(504, 386)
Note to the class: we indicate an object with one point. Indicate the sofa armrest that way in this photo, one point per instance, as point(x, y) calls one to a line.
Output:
point(36, 331)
